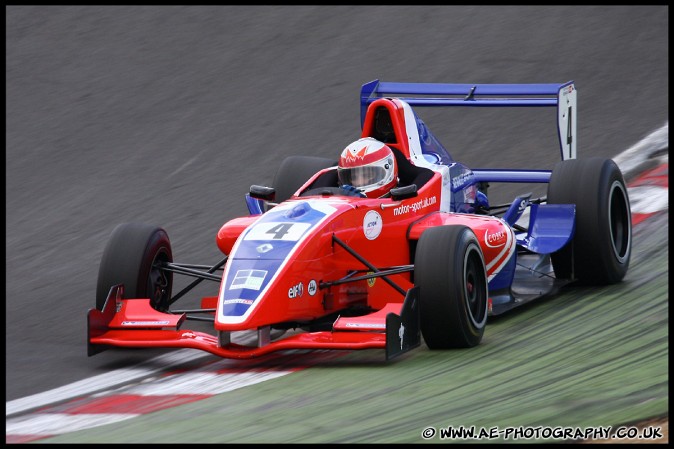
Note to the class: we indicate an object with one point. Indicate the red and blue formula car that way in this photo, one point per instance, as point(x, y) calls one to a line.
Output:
point(312, 266)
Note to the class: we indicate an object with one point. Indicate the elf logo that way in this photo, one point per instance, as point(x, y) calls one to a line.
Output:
point(296, 291)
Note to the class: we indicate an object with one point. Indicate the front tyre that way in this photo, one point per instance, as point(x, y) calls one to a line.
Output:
point(450, 272)
point(132, 257)
point(600, 250)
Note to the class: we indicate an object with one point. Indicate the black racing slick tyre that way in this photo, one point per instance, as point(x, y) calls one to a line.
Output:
point(294, 171)
point(600, 250)
point(450, 272)
point(132, 257)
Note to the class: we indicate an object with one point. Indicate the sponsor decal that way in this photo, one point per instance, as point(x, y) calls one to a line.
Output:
point(495, 239)
point(469, 194)
point(401, 334)
point(460, 180)
point(238, 301)
point(266, 231)
point(264, 248)
point(145, 323)
point(522, 206)
point(370, 325)
point(371, 281)
point(414, 207)
point(312, 288)
point(296, 291)
point(372, 225)
point(505, 253)
point(250, 279)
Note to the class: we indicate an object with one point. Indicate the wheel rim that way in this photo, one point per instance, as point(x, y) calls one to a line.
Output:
point(475, 286)
point(159, 282)
point(619, 220)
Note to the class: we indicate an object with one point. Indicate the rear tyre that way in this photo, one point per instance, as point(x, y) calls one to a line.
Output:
point(131, 257)
point(450, 272)
point(294, 171)
point(600, 250)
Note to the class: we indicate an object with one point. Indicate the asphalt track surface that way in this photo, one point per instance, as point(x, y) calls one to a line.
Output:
point(167, 114)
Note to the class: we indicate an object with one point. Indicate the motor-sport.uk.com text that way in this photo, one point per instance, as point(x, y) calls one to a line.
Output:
point(406, 208)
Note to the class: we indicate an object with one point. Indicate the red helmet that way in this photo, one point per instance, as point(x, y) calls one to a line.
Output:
point(370, 166)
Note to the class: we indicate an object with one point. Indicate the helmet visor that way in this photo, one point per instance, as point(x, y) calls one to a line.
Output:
point(361, 176)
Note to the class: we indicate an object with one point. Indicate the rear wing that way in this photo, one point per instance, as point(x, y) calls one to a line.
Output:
point(561, 96)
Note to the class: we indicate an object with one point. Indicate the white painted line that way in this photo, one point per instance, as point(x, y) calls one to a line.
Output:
point(648, 199)
point(201, 383)
point(103, 381)
point(117, 377)
point(630, 159)
point(59, 423)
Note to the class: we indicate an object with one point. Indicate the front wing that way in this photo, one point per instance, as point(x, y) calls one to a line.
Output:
point(134, 323)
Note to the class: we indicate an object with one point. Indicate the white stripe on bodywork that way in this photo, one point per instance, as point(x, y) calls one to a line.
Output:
point(413, 137)
point(505, 254)
point(419, 160)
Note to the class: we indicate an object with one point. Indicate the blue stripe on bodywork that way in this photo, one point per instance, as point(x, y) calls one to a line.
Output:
point(264, 247)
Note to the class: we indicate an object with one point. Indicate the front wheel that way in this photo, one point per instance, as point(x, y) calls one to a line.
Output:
point(132, 257)
point(450, 272)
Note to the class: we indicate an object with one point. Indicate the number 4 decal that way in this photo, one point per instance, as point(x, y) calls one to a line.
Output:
point(285, 231)
point(566, 121)
point(279, 230)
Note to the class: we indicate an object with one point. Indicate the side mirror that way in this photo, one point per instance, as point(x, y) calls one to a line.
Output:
point(401, 193)
point(262, 192)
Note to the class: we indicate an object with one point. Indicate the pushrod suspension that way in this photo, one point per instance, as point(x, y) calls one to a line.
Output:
point(194, 283)
point(369, 265)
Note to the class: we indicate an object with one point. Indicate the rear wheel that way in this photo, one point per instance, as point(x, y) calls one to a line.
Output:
point(294, 171)
point(600, 250)
point(450, 272)
point(132, 257)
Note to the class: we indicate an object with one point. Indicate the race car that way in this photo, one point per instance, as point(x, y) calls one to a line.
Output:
point(314, 265)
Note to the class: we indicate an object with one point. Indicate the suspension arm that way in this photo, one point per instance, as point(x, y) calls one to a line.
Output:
point(200, 274)
point(369, 265)
point(382, 273)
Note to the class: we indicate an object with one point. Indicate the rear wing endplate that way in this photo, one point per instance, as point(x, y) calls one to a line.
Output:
point(561, 96)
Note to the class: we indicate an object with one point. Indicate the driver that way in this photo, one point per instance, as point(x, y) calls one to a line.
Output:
point(369, 166)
